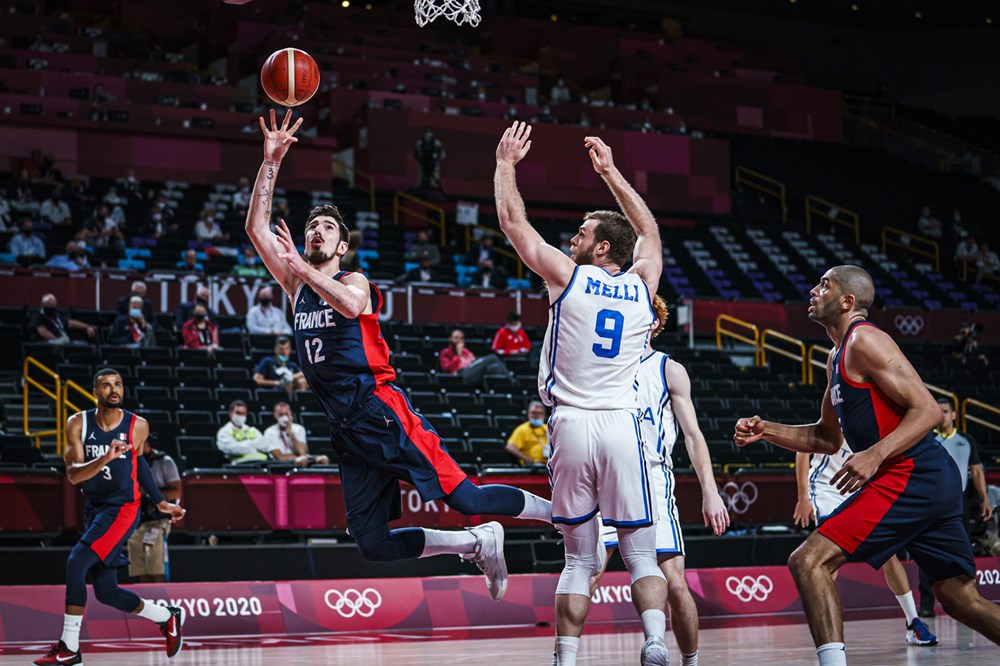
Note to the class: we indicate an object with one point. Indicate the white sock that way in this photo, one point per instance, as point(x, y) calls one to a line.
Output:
point(536, 508)
point(689, 659)
point(441, 542)
point(566, 649)
point(654, 623)
point(71, 631)
point(908, 605)
point(153, 612)
point(832, 654)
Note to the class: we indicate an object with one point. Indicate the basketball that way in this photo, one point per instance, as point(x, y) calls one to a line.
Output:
point(290, 77)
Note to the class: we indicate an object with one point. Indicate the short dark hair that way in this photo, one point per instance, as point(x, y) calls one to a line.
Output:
point(513, 316)
point(282, 340)
point(946, 401)
point(104, 372)
point(329, 210)
point(236, 403)
point(614, 228)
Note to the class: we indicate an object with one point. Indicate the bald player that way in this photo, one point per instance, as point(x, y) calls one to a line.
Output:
point(907, 489)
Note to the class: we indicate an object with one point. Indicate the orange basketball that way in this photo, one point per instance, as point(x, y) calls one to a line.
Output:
point(290, 77)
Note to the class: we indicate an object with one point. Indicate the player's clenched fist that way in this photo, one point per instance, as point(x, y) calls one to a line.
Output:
point(748, 430)
point(117, 449)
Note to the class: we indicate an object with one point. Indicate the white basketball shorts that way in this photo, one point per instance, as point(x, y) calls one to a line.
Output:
point(599, 463)
point(669, 540)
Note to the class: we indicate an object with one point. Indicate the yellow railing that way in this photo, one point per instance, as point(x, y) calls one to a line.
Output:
point(66, 406)
point(944, 393)
point(912, 243)
point(765, 185)
point(51, 393)
point(504, 252)
point(969, 267)
point(359, 176)
point(721, 332)
point(966, 419)
point(833, 213)
point(436, 216)
point(814, 363)
point(799, 355)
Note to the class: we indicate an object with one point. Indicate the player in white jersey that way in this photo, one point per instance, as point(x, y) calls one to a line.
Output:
point(818, 498)
point(666, 408)
point(600, 319)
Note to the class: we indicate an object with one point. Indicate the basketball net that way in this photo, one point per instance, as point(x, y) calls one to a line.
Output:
point(459, 12)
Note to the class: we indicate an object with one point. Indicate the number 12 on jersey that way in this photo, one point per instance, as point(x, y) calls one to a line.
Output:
point(314, 349)
point(610, 325)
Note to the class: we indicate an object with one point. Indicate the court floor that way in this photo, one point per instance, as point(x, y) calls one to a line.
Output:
point(872, 642)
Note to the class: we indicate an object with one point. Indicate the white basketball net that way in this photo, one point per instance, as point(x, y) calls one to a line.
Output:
point(457, 11)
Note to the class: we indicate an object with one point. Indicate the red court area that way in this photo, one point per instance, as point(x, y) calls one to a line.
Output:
point(749, 615)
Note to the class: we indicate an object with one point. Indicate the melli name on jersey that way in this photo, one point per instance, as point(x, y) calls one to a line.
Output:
point(621, 292)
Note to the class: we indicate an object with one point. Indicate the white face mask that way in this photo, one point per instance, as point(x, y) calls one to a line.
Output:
point(239, 420)
point(283, 421)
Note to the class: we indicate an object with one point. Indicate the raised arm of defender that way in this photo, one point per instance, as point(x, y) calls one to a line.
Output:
point(647, 257)
point(277, 141)
point(546, 261)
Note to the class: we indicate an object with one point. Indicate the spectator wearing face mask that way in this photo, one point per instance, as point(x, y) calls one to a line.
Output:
point(186, 310)
point(511, 340)
point(125, 302)
point(280, 369)
point(207, 228)
point(54, 210)
point(529, 442)
point(50, 325)
point(200, 332)
point(251, 266)
point(241, 198)
point(26, 247)
point(240, 442)
point(264, 318)
point(74, 259)
point(286, 440)
point(133, 329)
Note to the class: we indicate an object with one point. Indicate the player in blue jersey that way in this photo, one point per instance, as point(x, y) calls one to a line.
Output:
point(378, 436)
point(104, 456)
point(908, 489)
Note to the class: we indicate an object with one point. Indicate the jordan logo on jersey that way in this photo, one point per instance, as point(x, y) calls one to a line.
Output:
point(319, 319)
point(621, 292)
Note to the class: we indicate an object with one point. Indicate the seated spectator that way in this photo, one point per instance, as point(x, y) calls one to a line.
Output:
point(280, 369)
point(133, 329)
point(75, 259)
point(286, 440)
point(482, 254)
point(958, 227)
point(987, 263)
point(422, 273)
point(26, 247)
point(147, 545)
point(559, 93)
point(529, 442)
point(965, 251)
point(456, 359)
point(138, 290)
point(351, 262)
point(103, 230)
point(79, 192)
point(158, 223)
point(967, 344)
point(23, 195)
point(186, 310)
point(423, 249)
point(511, 340)
point(52, 326)
point(54, 210)
point(190, 263)
point(199, 332)
point(251, 266)
point(241, 198)
point(131, 187)
point(489, 278)
point(241, 443)
point(207, 228)
point(264, 318)
point(929, 225)
point(113, 199)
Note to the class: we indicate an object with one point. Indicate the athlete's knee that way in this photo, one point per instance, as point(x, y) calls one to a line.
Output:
point(582, 562)
point(638, 549)
point(81, 559)
point(805, 560)
point(375, 547)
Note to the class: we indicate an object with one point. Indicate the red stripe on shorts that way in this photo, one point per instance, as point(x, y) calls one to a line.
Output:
point(450, 475)
point(119, 528)
point(849, 528)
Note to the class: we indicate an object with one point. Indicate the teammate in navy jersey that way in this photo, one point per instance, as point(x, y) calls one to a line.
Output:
point(378, 437)
point(104, 454)
point(908, 487)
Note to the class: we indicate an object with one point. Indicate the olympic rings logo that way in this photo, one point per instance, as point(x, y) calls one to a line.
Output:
point(739, 498)
point(749, 588)
point(351, 602)
point(909, 324)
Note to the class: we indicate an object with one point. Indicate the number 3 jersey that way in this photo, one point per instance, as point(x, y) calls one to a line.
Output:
point(117, 482)
point(598, 329)
point(343, 359)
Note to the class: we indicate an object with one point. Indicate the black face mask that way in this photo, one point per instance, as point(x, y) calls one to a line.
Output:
point(201, 301)
point(199, 316)
point(49, 312)
point(266, 302)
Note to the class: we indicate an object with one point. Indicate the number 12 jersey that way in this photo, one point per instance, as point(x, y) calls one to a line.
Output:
point(598, 329)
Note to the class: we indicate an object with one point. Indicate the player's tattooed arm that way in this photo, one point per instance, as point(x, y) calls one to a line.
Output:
point(277, 140)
